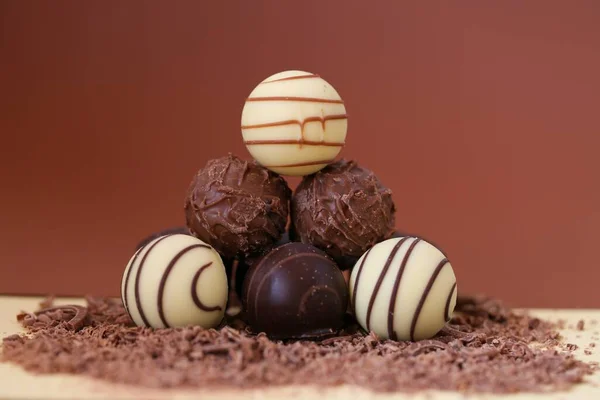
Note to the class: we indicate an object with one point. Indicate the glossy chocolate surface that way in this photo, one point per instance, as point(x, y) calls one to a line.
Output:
point(296, 291)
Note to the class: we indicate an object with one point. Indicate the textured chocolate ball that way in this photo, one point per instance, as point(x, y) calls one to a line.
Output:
point(344, 210)
point(238, 207)
point(295, 292)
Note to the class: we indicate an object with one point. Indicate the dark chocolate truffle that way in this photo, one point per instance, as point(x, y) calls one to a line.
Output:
point(169, 231)
point(344, 210)
point(238, 207)
point(243, 265)
point(295, 292)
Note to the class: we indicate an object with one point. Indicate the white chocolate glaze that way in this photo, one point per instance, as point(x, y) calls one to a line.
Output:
point(294, 123)
point(403, 289)
point(175, 281)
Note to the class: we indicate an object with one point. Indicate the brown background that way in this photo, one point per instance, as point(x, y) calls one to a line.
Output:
point(482, 117)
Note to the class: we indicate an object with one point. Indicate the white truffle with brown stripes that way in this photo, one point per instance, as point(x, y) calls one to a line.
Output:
point(294, 123)
point(175, 281)
point(403, 289)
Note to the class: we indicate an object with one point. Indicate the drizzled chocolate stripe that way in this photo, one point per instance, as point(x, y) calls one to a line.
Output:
point(136, 287)
point(304, 164)
point(165, 276)
point(292, 98)
point(290, 78)
point(302, 123)
point(300, 142)
point(360, 269)
point(380, 280)
point(415, 319)
point(195, 297)
point(447, 315)
point(124, 296)
point(392, 307)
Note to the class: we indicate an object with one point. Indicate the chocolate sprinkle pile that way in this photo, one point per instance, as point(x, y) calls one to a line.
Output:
point(485, 348)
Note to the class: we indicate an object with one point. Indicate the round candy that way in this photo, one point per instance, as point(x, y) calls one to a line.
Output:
point(175, 281)
point(238, 207)
point(295, 291)
point(294, 123)
point(344, 210)
point(403, 289)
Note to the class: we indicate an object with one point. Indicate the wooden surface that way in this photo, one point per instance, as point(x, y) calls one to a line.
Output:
point(18, 384)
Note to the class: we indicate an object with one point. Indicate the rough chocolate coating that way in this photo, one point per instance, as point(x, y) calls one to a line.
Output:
point(344, 210)
point(295, 292)
point(236, 206)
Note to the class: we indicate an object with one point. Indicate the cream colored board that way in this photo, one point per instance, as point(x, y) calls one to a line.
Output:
point(15, 383)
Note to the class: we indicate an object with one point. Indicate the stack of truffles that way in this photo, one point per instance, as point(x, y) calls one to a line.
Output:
point(284, 253)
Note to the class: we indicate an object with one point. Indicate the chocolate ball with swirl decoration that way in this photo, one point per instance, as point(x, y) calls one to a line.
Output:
point(295, 292)
point(344, 210)
point(175, 280)
point(238, 207)
point(294, 123)
point(403, 289)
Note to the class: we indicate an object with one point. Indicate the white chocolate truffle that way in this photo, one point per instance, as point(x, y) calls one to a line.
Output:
point(294, 123)
point(403, 289)
point(175, 281)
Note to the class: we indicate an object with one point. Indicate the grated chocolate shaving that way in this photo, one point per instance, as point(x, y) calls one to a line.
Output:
point(486, 347)
point(68, 317)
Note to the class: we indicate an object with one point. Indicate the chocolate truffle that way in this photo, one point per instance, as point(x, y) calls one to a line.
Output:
point(238, 207)
point(175, 281)
point(296, 291)
point(243, 265)
point(294, 123)
point(344, 210)
point(228, 262)
point(180, 229)
point(403, 289)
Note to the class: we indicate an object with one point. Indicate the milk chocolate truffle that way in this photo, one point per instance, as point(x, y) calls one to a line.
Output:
point(175, 281)
point(238, 207)
point(344, 210)
point(403, 289)
point(294, 123)
point(295, 292)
